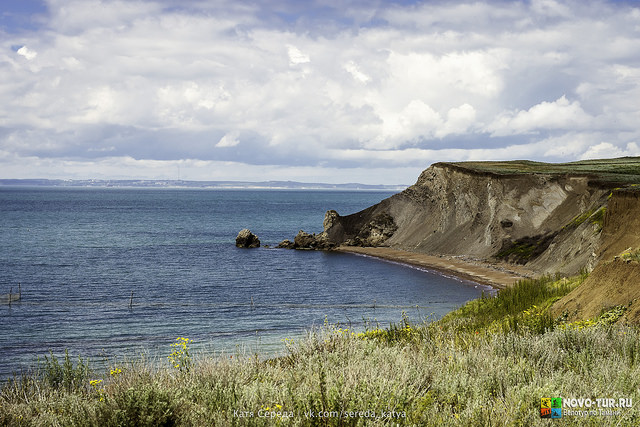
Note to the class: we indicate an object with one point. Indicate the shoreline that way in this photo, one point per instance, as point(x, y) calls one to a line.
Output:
point(475, 271)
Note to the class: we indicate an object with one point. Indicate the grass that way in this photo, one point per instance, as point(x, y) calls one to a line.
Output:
point(595, 216)
point(488, 363)
point(630, 255)
point(625, 170)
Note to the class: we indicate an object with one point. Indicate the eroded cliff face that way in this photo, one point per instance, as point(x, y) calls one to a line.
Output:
point(621, 226)
point(550, 223)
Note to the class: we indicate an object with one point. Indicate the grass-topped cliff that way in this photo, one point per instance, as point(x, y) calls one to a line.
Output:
point(547, 217)
point(624, 170)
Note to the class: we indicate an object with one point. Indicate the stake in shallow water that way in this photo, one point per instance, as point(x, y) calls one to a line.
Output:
point(10, 297)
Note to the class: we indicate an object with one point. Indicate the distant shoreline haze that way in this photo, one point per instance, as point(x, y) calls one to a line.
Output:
point(164, 183)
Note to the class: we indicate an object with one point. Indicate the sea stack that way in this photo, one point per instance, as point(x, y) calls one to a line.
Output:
point(246, 239)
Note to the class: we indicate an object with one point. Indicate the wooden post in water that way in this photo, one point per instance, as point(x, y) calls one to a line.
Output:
point(252, 301)
point(19, 291)
point(10, 292)
point(131, 301)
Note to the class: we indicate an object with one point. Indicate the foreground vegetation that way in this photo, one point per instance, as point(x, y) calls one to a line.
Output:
point(488, 363)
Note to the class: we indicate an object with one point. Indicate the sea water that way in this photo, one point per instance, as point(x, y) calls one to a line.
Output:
point(107, 273)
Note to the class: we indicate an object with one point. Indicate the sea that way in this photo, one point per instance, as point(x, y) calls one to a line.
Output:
point(120, 273)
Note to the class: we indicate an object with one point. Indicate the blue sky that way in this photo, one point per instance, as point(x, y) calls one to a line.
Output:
point(331, 91)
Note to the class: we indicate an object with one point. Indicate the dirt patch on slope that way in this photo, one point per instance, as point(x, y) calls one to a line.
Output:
point(609, 284)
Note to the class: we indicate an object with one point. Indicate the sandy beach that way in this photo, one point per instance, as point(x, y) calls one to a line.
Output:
point(496, 275)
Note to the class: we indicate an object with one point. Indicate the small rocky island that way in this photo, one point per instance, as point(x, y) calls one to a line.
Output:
point(246, 239)
point(339, 232)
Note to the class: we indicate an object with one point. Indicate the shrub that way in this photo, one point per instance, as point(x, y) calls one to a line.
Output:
point(65, 375)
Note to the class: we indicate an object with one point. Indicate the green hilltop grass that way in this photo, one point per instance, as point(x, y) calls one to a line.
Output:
point(620, 170)
point(488, 363)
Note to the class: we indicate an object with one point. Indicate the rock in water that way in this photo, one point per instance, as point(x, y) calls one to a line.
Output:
point(286, 244)
point(304, 240)
point(312, 241)
point(246, 239)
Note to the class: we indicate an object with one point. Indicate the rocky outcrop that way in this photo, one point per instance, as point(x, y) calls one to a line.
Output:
point(246, 239)
point(308, 241)
point(320, 241)
point(304, 240)
point(286, 244)
point(337, 231)
point(375, 232)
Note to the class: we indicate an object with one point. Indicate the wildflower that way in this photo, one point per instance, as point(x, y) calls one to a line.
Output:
point(180, 357)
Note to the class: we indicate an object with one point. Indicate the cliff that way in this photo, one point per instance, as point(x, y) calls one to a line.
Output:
point(552, 218)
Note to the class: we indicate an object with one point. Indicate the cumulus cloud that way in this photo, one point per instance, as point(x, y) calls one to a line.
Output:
point(353, 69)
point(230, 139)
point(296, 56)
point(27, 53)
point(343, 88)
point(559, 114)
point(607, 150)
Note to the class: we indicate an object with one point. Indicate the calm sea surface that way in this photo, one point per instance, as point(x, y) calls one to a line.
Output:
point(79, 253)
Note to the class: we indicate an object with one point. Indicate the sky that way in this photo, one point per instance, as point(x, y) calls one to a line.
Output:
point(332, 91)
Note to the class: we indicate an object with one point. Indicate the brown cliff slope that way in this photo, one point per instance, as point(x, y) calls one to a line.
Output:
point(616, 280)
point(610, 284)
point(621, 227)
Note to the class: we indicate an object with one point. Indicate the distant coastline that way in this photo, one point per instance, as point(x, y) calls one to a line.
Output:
point(165, 183)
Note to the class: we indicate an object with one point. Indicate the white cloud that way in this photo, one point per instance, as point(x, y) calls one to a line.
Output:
point(354, 70)
point(296, 56)
point(609, 150)
point(559, 114)
point(27, 53)
point(459, 120)
point(230, 139)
